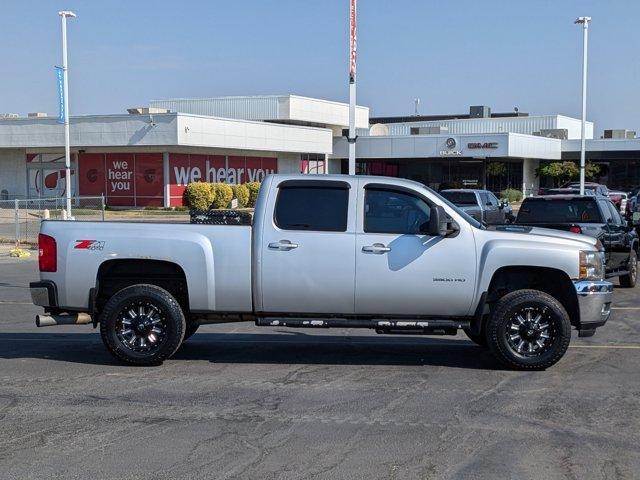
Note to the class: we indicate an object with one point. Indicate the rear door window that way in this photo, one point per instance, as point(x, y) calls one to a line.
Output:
point(559, 210)
point(316, 208)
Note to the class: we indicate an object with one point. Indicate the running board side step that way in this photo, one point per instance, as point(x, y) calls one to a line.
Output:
point(388, 326)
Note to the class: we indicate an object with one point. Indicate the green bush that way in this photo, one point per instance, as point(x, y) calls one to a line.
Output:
point(200, 195)
point(511, 194)
point(223, 195)
point(254, 188)
point(241, 193)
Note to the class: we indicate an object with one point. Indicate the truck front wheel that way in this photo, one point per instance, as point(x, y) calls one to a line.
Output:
point(629, 280)
point(528, 330)
point(142, 325)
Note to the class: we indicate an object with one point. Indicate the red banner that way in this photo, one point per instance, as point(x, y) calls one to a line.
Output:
point(128, 179)
point(149, 179)
point(92, 179)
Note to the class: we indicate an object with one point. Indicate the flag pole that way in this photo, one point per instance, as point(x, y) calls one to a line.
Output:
point(352, 85)
point(65, 106)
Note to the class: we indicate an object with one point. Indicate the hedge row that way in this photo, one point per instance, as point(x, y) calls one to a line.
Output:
point(206, 196)
point(511, 194)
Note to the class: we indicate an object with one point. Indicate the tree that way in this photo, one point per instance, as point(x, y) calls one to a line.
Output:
point(592, 171)
point(564, 171)
point(496, 169)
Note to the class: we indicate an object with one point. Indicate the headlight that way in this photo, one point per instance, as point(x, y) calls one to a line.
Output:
point(591, 265)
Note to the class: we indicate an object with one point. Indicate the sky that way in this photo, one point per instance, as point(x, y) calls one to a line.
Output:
point(450, 54)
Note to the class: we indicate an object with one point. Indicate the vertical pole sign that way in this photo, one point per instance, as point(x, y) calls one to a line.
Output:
point(64, 109)
point(60, 84)
point(353, 42)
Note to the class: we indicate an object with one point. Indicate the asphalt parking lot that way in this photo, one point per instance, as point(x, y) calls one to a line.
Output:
point(239, 401)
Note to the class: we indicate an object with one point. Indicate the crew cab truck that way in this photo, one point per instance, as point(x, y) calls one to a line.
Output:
point(482, 205)
point(327, 251)
point(591, 215)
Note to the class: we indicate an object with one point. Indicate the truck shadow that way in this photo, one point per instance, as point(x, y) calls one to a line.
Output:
point(256, 348)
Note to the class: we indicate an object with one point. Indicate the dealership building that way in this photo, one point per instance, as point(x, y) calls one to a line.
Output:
point(147, 156)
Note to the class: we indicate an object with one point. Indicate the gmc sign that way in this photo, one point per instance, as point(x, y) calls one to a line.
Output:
point(479, 145)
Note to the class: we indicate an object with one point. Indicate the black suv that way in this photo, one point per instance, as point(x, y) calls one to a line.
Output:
point(590, 215)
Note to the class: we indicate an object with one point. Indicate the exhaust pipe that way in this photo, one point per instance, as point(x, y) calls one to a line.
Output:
point(69, 319)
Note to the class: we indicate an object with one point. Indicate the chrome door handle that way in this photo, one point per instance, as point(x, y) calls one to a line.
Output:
point(285, 245)
point(377, 248)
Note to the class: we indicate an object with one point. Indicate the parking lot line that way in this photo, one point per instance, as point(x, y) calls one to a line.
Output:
point(625, 308)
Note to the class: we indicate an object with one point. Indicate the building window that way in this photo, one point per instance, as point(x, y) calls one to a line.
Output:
point(312, 164)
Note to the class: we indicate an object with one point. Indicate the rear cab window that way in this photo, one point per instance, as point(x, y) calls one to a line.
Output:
point(460, 198)
point(559, 210)
point(312, 207)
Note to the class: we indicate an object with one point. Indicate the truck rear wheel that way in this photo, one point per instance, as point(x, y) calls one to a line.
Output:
point(629, 280)
point(142, 325)
point(528, 330)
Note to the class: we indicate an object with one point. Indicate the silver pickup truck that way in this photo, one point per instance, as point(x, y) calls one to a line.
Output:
point(327, 251)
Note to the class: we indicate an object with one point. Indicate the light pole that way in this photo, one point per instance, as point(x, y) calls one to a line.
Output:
point(584, 21)
point(67, 148)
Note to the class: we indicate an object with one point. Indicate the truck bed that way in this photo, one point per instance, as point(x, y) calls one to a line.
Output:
point(217, 257)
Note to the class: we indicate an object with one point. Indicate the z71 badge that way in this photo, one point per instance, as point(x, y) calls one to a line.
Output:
point(89, 245)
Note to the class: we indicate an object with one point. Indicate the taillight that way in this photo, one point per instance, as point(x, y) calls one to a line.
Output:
point(575, 229)
point(47, 253)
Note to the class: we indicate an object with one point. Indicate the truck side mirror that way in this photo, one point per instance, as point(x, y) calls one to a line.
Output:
point(440, 225)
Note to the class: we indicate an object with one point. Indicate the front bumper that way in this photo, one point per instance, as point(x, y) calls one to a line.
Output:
point(594, 303)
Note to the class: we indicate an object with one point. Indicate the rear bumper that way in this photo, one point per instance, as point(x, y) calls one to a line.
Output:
point(44, 293)
point(594, 302)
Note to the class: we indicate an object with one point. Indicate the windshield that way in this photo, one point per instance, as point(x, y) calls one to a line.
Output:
point(460, 198)
point(460, 212)
point(559, 210)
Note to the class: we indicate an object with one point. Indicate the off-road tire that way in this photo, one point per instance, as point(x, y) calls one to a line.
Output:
point(173, 323)
point(503, 318)
point(629, 280)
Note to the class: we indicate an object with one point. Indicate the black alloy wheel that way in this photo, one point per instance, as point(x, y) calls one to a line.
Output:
point(142, 325)
point(528, 330)
point(629, 280)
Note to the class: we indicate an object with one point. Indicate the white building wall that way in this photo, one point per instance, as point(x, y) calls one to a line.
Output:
point(523, 125)
point(288, 163)
point(286, 108)
point(530, 182)
point(13, 172)
point(194, 130)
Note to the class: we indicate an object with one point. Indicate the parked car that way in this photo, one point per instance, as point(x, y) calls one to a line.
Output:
point(482, 205)
point(593, 216)
point(598, 188)
point(383, 253)
point(619, 199)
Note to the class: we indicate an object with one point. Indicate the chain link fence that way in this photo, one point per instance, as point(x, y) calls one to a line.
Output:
point(20, 218)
